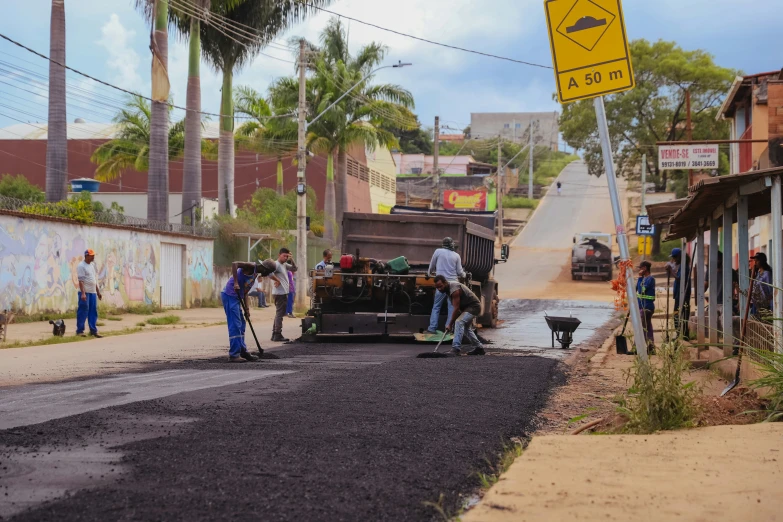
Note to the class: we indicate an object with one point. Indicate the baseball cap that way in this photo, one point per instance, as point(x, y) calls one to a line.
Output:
point(676, 252)
point(89, 252)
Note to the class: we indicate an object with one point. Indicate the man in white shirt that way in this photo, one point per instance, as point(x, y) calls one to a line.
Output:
point(327, 260)
point(285, 262)
point(447, 263)
point(88, 295)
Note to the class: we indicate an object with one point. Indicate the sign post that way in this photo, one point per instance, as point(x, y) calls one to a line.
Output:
point(591, 59)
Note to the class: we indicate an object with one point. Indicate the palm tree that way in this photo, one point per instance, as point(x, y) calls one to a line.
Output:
point(228, 54)
point(57, 140)
point(264, 133)
point(130, 148)
point(158, 178)
point(361, 118)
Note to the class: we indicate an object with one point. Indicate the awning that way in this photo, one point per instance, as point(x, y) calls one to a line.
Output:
point(660, 213)
point(709, 194)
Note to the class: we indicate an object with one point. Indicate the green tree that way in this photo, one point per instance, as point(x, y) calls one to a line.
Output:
point(57, 139)
point(18, 187)
point(363, 117)
point(274, 213)
point(228, 53)
point(654, 111)
point(414, 141)
point(267, 132)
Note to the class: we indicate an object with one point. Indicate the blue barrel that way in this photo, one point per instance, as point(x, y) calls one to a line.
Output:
point(85, 185)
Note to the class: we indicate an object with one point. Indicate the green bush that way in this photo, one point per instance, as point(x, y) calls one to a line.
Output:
point(514, 202)
point(658, 398)
point(771, 365)
point(666, 250)
point(18, 187)
point(76, 209)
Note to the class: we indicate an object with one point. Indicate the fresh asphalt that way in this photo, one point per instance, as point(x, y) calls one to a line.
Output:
point(327, 432)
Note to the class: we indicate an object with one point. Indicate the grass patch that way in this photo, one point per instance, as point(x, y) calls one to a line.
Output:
point(100, 323)
point(505, 459)
point(515, 202)
point(114, 318)
point(658, 398)
point(164, 320)
point(141, 324)
point(771, 365)
point(43, 316)
point(66, 339)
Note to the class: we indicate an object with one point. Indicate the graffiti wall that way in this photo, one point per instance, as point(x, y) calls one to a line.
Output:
point(39, 257)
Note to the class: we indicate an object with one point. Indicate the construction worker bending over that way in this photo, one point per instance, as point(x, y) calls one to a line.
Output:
point(238, 287)
point(447, 263)
point(466, 307)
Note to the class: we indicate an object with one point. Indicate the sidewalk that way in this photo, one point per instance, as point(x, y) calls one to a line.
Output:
point(57, 362)
point(724, 473)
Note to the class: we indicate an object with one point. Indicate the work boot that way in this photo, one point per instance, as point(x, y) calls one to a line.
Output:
point(278, 338)
point(236, 359)
point(455, 352)
point(478, 350)
point(249, 357)
point(96, 335)
point(430, 332)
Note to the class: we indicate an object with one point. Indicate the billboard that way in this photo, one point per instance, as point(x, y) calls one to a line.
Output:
point(682, 157)
point(465, 200)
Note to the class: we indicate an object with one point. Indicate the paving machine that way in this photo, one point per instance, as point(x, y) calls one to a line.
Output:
point(381, 288)
point(592, 256)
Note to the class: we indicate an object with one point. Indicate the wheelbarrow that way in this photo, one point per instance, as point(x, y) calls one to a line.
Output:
point(563, 329)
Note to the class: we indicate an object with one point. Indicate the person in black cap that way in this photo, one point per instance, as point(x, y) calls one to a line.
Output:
point(761, 299)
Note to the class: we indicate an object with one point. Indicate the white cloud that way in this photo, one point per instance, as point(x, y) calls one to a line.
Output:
point(123, 61)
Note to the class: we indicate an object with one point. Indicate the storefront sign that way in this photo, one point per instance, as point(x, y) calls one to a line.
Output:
point(683, 157)
point(464, 200)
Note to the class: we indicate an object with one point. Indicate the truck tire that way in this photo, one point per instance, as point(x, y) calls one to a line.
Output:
point(491, 300)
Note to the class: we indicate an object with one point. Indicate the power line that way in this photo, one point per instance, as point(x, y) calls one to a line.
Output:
point(454, 47)
point(126, 91)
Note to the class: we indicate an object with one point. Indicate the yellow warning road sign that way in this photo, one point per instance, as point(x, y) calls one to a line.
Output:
point(589, 48)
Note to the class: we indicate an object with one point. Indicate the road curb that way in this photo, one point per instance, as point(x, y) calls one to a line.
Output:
point(603, 351)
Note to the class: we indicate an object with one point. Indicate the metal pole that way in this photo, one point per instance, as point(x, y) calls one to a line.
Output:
point(622, 239)
point(713, 265)
point(728, 258)
point(500, 191)
point(743, 249)
point(301, 199)
point(683, 279)
point(777, 260)
point(700, 287)
point(530, 167)
point(435, 157)
point(644, 239)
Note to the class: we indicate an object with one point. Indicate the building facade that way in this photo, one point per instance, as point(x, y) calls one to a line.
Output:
point(514, 126)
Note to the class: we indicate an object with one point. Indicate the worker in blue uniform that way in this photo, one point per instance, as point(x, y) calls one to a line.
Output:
point(238, 286)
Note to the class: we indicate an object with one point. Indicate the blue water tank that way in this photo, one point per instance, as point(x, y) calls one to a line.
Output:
point(85, 185)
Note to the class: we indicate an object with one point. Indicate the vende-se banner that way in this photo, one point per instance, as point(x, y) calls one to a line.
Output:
point(683, 157)
point(464, 200)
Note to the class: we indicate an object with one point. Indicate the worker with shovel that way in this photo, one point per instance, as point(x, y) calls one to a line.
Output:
point(466, 307)
point(238, 287)
point(447, 263)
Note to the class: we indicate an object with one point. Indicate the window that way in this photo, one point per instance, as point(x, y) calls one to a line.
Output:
point(518, 125)
point(506, 125)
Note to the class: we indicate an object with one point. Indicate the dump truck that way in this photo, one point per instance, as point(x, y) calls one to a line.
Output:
point(381, 288)
point(591, 256)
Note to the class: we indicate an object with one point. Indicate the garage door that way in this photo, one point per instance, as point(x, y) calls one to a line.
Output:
point(171, 275)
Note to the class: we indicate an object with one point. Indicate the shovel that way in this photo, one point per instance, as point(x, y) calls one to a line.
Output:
point(258, 345)
point(742, 337)
point(668, 291)
point(434, 354)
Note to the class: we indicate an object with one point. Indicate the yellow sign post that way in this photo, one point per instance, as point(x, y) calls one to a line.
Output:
point(589, 48)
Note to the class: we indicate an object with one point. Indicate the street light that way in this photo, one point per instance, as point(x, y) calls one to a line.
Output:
point(302, 283)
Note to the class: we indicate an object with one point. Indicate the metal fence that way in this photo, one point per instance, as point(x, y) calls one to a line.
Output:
point(760, 337)
point(208, 229)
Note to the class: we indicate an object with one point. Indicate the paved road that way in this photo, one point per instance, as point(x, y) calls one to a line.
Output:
point(540, 255)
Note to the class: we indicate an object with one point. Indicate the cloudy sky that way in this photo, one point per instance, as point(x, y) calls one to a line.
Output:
point(108, 39)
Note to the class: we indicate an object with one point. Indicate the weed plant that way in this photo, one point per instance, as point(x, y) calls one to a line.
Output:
point(658, 399)
point(771, 365)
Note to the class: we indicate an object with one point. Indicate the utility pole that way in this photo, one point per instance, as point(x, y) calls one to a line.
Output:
point(500, 189)
point(530, 169)
point(644, 239)
point(688, 126)
point(302, 278)
point(435, 174)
